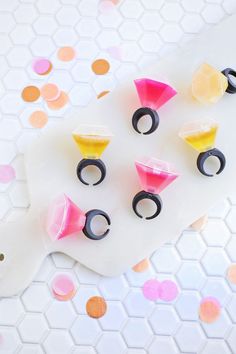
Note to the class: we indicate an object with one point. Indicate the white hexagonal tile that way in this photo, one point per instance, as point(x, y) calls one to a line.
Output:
point(86, 49)
point(84, 350)
point(231, 219)
point(9, 129)
point(65, 36)
point(216, 233)
point(216, 345)
point(215, 261)
point(137, 279)
point(45, 25)
point(131, 52)
point(15, 79)
point(171, 33)
point(229, 6)
point(8, 5)
point(22, 34)
point(113, 288)
point(88, 7)
point(7, 22)
point(130, 30)
point(219, 328)
point(11, 310)
point(7, 152)
point(163, 345)
point(111, 343)
point(193, 5)
point(25, 139)
point(81, 95)
point(3, 66)
point(213, 13)
point(67, 16)
point(187, 305)
point(47, 7)
point(108, 38)
point(192, 23)
point(220, 210)
point(11, 103)
point(5, 44)
point(31, 349)
point(191, 246)
point(190, 338)
point(137, 305)
point(10, 340)
point(42, 46)
point(58, 341)
point(25, 13)
point(60, 314)
point(113, 20)
point(164, 320)
point(230, 307)
point(153, 5)
point(191, 276)
point(87, 27)
point(19, 195)
point(137, 332)
point(81, 297)
point(85, 330)
point(33, 328)
point(114, 318)
point(218, 288)
point(166, 260)
point(150, 42)
point(36, 297)
point(131, 9)
point(85, 275)
point(46, 269)
point(172, 12)
point(82, 72)
point(151, 21)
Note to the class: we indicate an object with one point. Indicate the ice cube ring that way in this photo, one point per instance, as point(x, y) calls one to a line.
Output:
point(154, 176)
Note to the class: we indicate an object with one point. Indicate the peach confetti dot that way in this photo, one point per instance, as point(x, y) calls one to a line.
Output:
point(50, 92)
point(209, 310)
point(102, 94)
point(141, 266)
point(7, 173)
point(199, 224)
point(100, 66)
point(96, 307)
point(63, 287)
point(151, 289)
point(30, 93)
point(38, 119)
point(60, 102)
point(66, 53)
point(231, 274)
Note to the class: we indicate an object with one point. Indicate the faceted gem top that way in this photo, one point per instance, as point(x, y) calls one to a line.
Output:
point(200, 134)
point(155, 175)
point(153, 94)
point(64, 218)
point(92, 140)
point(208, 84)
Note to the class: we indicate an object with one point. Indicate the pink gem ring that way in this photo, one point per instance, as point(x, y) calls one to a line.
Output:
point(152, 95)
point(154, 176)
point(65, 218)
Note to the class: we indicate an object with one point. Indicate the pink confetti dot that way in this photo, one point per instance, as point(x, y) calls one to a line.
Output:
point(63, 287)
point(41, 66)
point(106, 6)
point(168, 290)
point(151, 289)
point(7, 173)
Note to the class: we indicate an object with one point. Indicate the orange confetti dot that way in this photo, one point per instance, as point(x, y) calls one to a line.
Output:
point(66, 53)
point(60, 102)
point(50, 92)
point(30, 93)
point(141, 266)
point(100, 66)
point(38, 119)
point(231, 274)
point(199, 224)
point(103, 93)
point(96, 307)
point(209, 310)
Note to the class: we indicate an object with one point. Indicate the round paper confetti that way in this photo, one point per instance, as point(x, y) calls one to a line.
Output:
point(199, 224)
point(7, 173)
point(209, 310)
point(102, 94)
point(42, 66)
point(141, 266)
point(231, 274)
point(50, 92)
point(168, 290)
point(38, 119)
point(66, 53)
point(60, 102)
point(106, 6)
point(96, 307)
point(30, 93)
point(63, 287)
point(100, 66)
point(151, 289)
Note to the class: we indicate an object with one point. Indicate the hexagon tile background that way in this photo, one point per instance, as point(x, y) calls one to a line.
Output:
point(128, 34)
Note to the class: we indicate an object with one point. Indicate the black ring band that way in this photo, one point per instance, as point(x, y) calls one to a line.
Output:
point(143, 111)
point(204, 156)
point(145, 195)
point(91, 162)
point(87, 227)
point(231, 85)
